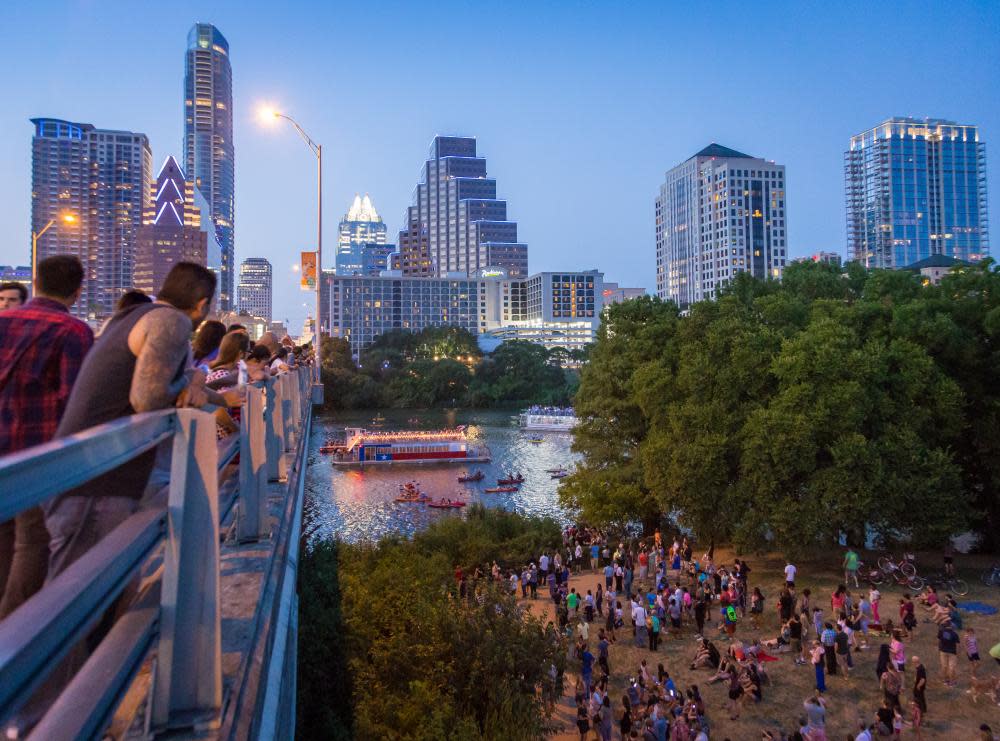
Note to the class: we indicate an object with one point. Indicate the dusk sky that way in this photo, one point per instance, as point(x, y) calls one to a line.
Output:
point(579, 108)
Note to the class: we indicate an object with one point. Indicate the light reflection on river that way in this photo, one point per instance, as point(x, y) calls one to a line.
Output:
point(356, 504)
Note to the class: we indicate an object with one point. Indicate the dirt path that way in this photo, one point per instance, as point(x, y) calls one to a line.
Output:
point(951, 712)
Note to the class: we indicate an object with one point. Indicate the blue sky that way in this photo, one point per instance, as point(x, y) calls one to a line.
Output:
point(579, 107)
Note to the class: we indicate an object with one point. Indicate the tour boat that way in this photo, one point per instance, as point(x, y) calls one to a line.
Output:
point(446, 504)
point(499, 489)
point(519, 479)
point(556, 419)
point(377, 447)
point(477, 476)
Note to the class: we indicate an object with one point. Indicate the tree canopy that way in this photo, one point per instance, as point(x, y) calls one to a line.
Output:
point(788, 414)
point(443, 366)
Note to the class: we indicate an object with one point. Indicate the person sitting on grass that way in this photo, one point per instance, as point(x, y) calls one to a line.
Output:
point(707, 655)
point(727, 667)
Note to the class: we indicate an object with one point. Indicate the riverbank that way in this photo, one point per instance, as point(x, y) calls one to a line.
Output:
point(951, 711)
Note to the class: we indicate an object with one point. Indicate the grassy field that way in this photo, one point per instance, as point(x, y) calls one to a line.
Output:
point(951, 711)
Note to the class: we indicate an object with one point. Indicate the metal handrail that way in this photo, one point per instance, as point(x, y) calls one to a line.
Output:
point(186, 615)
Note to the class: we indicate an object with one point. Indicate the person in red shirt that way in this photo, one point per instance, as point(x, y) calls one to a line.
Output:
point(41, 350)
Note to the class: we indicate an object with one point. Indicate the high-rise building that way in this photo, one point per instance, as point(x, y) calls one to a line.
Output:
point(916, 188)
point(719, 213)
point(255, 288)
point(360, 226)
point(174, 229)
point(456, 210)
point(414, 258)
point(208, 140)
point(100, 177)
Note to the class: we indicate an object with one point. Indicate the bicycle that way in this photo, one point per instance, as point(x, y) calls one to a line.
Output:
point(877, 575)
point(889, 563)
point(950, 583)
point(991, 577)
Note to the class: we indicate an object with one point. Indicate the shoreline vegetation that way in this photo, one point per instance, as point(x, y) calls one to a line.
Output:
point(391, 650)
point(443, 366)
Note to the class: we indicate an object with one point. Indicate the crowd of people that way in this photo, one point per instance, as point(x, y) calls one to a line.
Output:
point(57, 378)
point(646, 592)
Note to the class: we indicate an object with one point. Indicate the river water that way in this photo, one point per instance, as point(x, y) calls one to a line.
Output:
point(355, 504)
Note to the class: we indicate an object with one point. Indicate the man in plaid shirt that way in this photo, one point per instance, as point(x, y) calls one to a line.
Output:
point(41, 350)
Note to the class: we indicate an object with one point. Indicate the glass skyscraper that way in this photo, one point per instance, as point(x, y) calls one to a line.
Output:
point(456, 223)
point(916, 188)
point(208, 139)
point(360, 226)
point(719, 213)
point(102, 178)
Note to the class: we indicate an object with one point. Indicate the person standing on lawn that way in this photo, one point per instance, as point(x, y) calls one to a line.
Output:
point(851, 567)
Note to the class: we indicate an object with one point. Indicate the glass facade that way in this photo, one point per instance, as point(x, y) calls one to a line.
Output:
point(208, 140)
point(254, 289)
point(456, 222)
point(360, 226)
point(719, 213)
point(101, 178)
point(916, 188)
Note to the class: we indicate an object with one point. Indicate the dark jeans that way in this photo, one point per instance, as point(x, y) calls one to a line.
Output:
point(24, 559)
point(831, 660)
point(654, 640)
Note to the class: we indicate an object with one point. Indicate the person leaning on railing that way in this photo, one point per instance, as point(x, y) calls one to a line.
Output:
point(139, 364)
point(42, 349)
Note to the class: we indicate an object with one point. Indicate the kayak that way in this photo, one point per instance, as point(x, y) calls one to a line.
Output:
point(560, 475)
point(498, 489)
point(445, 505)
point(510, 480)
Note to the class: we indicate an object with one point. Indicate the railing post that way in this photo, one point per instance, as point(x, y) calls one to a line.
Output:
point(253, 469)
point(188, 683)
point(286, 413)
point(275, 432)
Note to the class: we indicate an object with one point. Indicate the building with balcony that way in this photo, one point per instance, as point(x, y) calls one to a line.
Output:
point(916, 188)
point(101, 177)
point(208, 141)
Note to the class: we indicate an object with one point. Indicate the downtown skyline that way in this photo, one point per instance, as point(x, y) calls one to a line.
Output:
point(580, 140)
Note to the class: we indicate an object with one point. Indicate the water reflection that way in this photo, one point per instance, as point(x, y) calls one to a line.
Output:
point(356, 504)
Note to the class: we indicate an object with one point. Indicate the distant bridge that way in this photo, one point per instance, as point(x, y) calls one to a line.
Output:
point(208, 647)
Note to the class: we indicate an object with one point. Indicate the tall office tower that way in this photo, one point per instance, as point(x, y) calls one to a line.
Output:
point(174, 229)
point(101, 178)
point(916, 188)
point(376, 257)
point(362, 225)
point(466, 225)
point(208, 139)
point(414, 256)
point(719, 213)
point(255, 288)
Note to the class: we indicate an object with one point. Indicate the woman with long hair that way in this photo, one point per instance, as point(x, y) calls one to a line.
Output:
point(207, 339)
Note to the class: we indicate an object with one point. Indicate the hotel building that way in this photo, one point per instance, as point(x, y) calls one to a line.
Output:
point(102, 178)
point(916, 188)
point(551, 309)
point(719, 213)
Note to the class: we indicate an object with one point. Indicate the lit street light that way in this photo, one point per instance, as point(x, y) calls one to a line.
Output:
point(35, 236)
point(269, 115)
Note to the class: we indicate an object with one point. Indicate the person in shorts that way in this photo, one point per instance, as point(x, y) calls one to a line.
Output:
point(971, 650)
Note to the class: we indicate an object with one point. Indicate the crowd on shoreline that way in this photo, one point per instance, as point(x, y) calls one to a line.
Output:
point(58, 379)
point(646, 592)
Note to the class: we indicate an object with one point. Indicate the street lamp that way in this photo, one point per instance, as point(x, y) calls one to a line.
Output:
point(269, 115)
point(35, 236)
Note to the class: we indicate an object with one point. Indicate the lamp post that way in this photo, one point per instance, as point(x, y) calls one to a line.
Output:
point(35, 236)
point(317, 149)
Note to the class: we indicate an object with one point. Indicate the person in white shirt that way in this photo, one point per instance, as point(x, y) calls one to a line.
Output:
point(865, 733)
point(639, 619)
point(790, 574)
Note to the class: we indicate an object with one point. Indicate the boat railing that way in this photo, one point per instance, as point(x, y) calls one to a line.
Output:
point(176, 538)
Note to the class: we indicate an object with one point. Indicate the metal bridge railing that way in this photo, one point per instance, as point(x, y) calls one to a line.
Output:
point(178, 611)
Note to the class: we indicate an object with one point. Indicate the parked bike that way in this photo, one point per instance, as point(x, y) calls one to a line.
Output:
point(950, 583)
point(904, 573)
